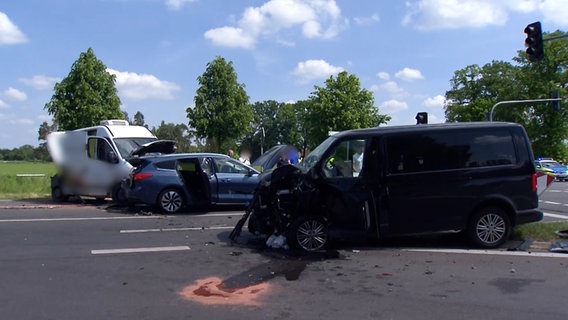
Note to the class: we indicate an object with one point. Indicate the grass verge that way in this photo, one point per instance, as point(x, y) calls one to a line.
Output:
point(540, 231)
point(13, 186)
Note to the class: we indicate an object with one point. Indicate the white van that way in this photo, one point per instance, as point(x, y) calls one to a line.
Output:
point(93, 161)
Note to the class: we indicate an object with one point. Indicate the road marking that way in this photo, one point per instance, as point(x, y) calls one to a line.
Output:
point(555, 191)
point(139, 250)
point(496, 253)
point(557, 216)
point(175, 229)
point(552, 202)
point(80, 219)
point(218, 215)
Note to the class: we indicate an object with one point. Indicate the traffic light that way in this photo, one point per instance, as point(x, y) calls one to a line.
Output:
point(533, 42)
point(555, 104)
point(422, 118)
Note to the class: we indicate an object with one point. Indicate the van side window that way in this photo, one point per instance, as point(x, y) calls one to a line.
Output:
point(450, 150)
point(98, 149)
point(346, 159)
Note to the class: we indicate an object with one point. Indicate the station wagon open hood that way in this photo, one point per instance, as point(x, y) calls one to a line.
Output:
point(158, 146)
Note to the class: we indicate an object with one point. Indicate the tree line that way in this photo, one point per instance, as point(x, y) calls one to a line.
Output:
point(223, 117)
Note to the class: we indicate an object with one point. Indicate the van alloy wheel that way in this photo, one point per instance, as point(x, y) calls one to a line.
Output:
point(490, 228)
point(170, 201)
point(309, 234)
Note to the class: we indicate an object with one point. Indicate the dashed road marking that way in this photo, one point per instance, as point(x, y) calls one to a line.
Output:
point(493, 252)
point(557, 216)
point(176, 229)
point(140, 250)
point(552, 202)
point(80, 219)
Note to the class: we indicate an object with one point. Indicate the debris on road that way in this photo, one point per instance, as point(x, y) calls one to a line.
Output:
point(559, 246)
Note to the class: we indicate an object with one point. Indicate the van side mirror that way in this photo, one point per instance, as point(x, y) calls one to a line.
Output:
point(112, 157)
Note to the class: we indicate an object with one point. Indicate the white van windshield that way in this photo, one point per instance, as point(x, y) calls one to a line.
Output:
point(127, 145)
point(314, 156)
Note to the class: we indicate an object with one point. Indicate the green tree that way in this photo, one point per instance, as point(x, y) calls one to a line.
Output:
point(139, 120)
point(86, 96)
point(222, 111)
point(44, 129)
point(341, 105)
point(474, 90)
point(176, 132)
point(547, 127)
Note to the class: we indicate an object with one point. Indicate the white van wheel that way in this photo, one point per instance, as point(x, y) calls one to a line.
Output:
point(489, 227)
point(170, 201)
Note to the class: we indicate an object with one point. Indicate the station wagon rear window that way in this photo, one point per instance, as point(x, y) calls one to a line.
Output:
point(449, 150)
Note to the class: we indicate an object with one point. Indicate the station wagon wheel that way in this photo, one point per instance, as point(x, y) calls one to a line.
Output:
point(170, 201)
point(308, 233)
point(489, 227)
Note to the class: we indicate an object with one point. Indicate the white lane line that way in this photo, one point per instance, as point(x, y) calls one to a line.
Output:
point(175, 229)
point(139, 250)
point(555, 191)
point(495, 253)
point(557, 216)
point(218, 215)
point(552, 202)
point(80, 219)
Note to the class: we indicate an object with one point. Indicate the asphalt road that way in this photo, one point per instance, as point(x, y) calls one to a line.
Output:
point(89, 262)
point(554, 202)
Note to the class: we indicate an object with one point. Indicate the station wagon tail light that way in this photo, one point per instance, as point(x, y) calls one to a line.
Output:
point(141, 176)
point(534, 183)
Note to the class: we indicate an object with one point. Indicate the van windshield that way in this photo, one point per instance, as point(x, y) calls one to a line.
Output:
point(314, 156)
point(127, 145)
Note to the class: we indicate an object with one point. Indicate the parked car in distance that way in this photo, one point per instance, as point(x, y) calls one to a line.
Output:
point(172, 182)
point(475, 178)
point(549, 166)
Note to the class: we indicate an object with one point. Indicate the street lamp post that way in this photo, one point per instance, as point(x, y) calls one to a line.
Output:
point(518, 101)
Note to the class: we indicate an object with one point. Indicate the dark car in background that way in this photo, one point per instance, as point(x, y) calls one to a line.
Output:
point(172, 182)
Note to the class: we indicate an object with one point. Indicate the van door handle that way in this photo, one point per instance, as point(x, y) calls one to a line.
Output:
point(227, 180)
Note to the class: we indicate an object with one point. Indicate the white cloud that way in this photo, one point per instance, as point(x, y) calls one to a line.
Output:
point(9, 32)
point(393, 106)
point(432, 118)
point(363, 21)
point(26, 122)
point(555, 11)
point(40, 82)
point(456, 14)
point(316, 18)
point(309, 70)
point(409, 74)
point(177, 4)
point(136, 86)
point(15, 94)
point(435, 102)
point(3, 105)
point(390, 87)
point(383, 75)
point(44, 117)
point(230, 37)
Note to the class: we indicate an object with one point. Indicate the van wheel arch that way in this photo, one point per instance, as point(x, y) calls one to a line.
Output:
point(496, 203)
point(489, 227)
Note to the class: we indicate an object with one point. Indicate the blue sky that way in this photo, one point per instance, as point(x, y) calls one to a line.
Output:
point(404, 51)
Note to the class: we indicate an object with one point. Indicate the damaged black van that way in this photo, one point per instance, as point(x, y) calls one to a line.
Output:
point(475, 178)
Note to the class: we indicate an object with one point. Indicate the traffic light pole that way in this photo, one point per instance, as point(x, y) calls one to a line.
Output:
point(518, 101)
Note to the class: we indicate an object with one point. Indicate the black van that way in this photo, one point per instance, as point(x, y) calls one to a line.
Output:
point(476, 178)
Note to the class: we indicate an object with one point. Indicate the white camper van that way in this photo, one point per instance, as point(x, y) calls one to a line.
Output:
point(93, 161)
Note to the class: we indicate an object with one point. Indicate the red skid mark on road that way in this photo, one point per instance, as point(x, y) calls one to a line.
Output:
point(210, 291)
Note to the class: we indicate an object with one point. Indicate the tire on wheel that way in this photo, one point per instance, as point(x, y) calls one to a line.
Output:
point(57, 195)
point(308, 234)
point(489, 227)
point(170, 201)
point(119, 195)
